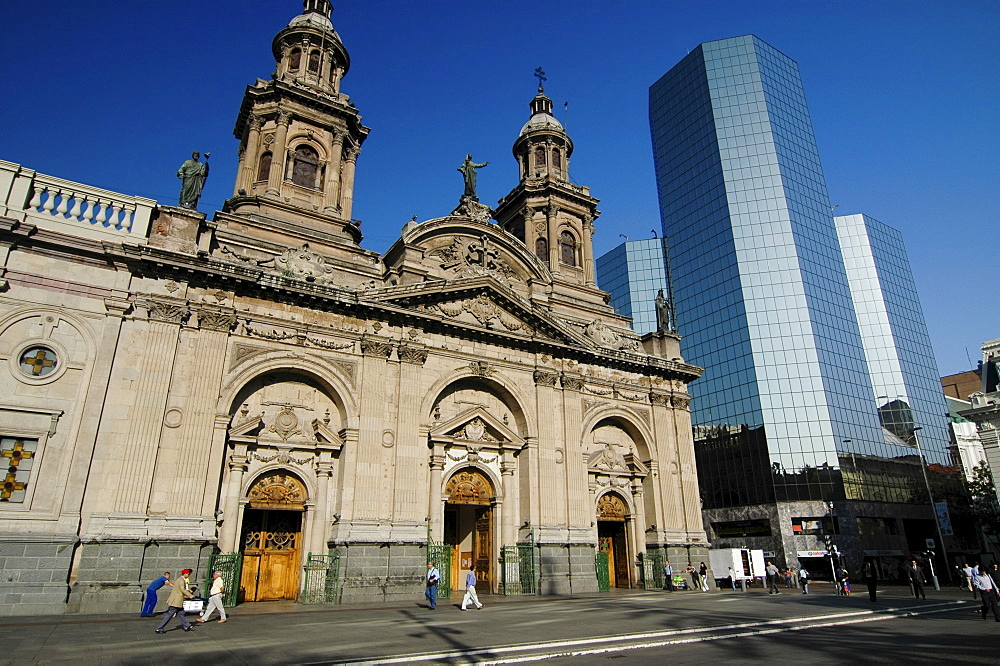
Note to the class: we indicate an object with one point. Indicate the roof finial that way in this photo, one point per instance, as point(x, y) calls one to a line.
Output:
point(319, 6)
point(540, 73)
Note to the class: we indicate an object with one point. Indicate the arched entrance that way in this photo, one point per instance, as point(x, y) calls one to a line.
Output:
point(271, 537)
point(468, 527)
point(612, 538)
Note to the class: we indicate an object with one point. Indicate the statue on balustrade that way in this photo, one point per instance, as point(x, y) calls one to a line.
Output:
point(664, 314)
point(468, 170)
point(192, 174)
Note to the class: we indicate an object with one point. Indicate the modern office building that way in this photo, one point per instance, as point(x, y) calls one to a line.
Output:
point(791, 453)
point(633, 274)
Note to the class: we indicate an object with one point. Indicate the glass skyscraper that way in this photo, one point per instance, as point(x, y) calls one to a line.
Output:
point(633, 273)
point(785, 412)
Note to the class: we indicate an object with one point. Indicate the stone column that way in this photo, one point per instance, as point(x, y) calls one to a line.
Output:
point(638, 524)
point(338, 74)
point(347, 183)
point(331, 193)
point(510, 519)
point(550, 218)
point(588, 250)
point(279, 154)
point(231, 507)
point(436, 467)
point(251, 157)
point(320, 514)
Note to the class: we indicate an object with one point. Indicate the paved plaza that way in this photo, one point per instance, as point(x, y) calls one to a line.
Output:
point(630, 626)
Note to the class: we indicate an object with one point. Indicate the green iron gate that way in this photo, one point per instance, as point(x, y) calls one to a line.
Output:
point(518, 564)
point(231, 565)
point(603, 573)
point(322, 579)
point(652, 569)
point(440, 555)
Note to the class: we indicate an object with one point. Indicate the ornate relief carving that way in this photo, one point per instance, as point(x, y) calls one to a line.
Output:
point(281, 458)
point(643, 414)
point(217, 321)
point(173, 313)
point(486, 312)
point(611, 458)
point(469, 488)
point(482, 368)
point(473, 210)
point(326, 344)
point(611, 507)
point(371, 347)
point(408, 354)
point(286, 423)
point(242, 351)
point(347, 368)
point(277, 490)
point(477, 258)
point(304, 264)
point(681, 401)
point(475, 431)
point(273, 335)
point(545, 378)
point(572, 383)
point(659, 399)
point(604, 336)
point(591, 404)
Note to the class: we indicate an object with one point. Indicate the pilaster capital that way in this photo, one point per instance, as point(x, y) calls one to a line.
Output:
point(172, 312)
point(545, 378)
point(572, 383)
point(372, 347)
point(408, 354)
point(238, 463)
point(256, 122)
point(284, 118)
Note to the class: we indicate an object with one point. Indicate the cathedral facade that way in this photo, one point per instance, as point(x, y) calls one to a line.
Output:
point(257, 392)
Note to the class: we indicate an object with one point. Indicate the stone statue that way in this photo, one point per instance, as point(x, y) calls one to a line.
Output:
point(468, 170)
point(663, 314)
point(192, 174)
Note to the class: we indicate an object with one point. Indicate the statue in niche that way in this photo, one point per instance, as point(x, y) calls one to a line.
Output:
point(663, 314)
point(193, 175)
point(468, 170)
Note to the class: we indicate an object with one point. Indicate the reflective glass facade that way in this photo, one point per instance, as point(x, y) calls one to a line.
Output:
point(762, 297)
point(904, 374)
point(633, 273)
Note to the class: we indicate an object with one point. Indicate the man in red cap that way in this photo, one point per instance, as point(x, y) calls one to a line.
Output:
point(175, 604)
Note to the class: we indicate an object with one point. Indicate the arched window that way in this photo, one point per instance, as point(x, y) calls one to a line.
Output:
point(295, 59)
point(567, 248)
point(540, 156)
point(264, 169)
point(557, 159)
point(542, 250)
point(314, 61)
point(305, 167)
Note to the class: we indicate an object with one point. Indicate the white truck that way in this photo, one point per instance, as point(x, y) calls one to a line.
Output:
point(746, 564)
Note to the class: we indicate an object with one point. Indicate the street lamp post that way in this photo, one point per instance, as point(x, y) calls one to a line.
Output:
point(930, 496)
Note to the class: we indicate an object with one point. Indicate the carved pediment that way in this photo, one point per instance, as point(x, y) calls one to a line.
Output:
point(246, 426)
point(468, 257)
point(326, 437)
point(478, 426)
point(484, 311)
point(603, 335)
point(611, 460)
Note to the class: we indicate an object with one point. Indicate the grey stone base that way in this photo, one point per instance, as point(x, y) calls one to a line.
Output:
point(34, 575)
point(112, 577)
point(566, 569)
point(378, 572)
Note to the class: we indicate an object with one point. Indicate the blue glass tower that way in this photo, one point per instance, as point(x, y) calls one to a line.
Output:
point(785, 410)
point(633, 273)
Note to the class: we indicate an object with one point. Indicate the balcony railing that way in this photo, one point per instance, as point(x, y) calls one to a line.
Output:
point(73, 208)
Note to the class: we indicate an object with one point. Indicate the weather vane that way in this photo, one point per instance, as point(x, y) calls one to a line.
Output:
point(540, 73)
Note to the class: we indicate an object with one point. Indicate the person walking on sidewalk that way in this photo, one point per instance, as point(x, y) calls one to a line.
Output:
point(870, 573)
point(470, 591)
point(433, 576)
point(175, 604)
point(804, 579)
point(916, 578)
point(149, 603)
point(668, 577)
point(215, 599)
point(703, 572)
point(772, 578)
point(982, 583)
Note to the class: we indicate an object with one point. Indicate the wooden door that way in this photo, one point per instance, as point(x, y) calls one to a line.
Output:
point(270, 555)
point(620, 566)
point(483, 548)
point(606, 545)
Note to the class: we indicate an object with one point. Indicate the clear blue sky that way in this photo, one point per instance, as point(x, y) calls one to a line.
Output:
point(903, 96)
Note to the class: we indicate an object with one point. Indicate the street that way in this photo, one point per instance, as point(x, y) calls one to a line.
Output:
point(629, 626)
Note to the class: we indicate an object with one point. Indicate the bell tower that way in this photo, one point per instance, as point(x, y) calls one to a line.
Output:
point(300, 136)
point(548, 213)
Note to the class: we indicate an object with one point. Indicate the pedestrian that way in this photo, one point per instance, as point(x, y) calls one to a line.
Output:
point(470, 591)
point(732, 579)
point(695, 577)
point(703, 572)
point(972, 571)
point(804, 579)
point(772, 578)
point(994, 571)
point(916, 577)
point(788, 578)
point(149, 602)
point(433, 576)
point(967, 579)
point(844, 585)
point(988, 591)
point(870, 573)
point(175, 604)
point(668, 577)
point(215, 599)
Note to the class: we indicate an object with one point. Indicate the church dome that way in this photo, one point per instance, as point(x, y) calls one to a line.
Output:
point(316, 20)
point(541, 121)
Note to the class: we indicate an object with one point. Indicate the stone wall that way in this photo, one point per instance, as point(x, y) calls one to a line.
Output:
point(34, 575)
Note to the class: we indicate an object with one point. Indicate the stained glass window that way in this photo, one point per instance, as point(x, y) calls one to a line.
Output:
point(306, 167)
point(17, 457)
point(38, 361)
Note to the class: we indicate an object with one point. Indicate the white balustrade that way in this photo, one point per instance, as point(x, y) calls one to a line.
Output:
point(62, 205)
